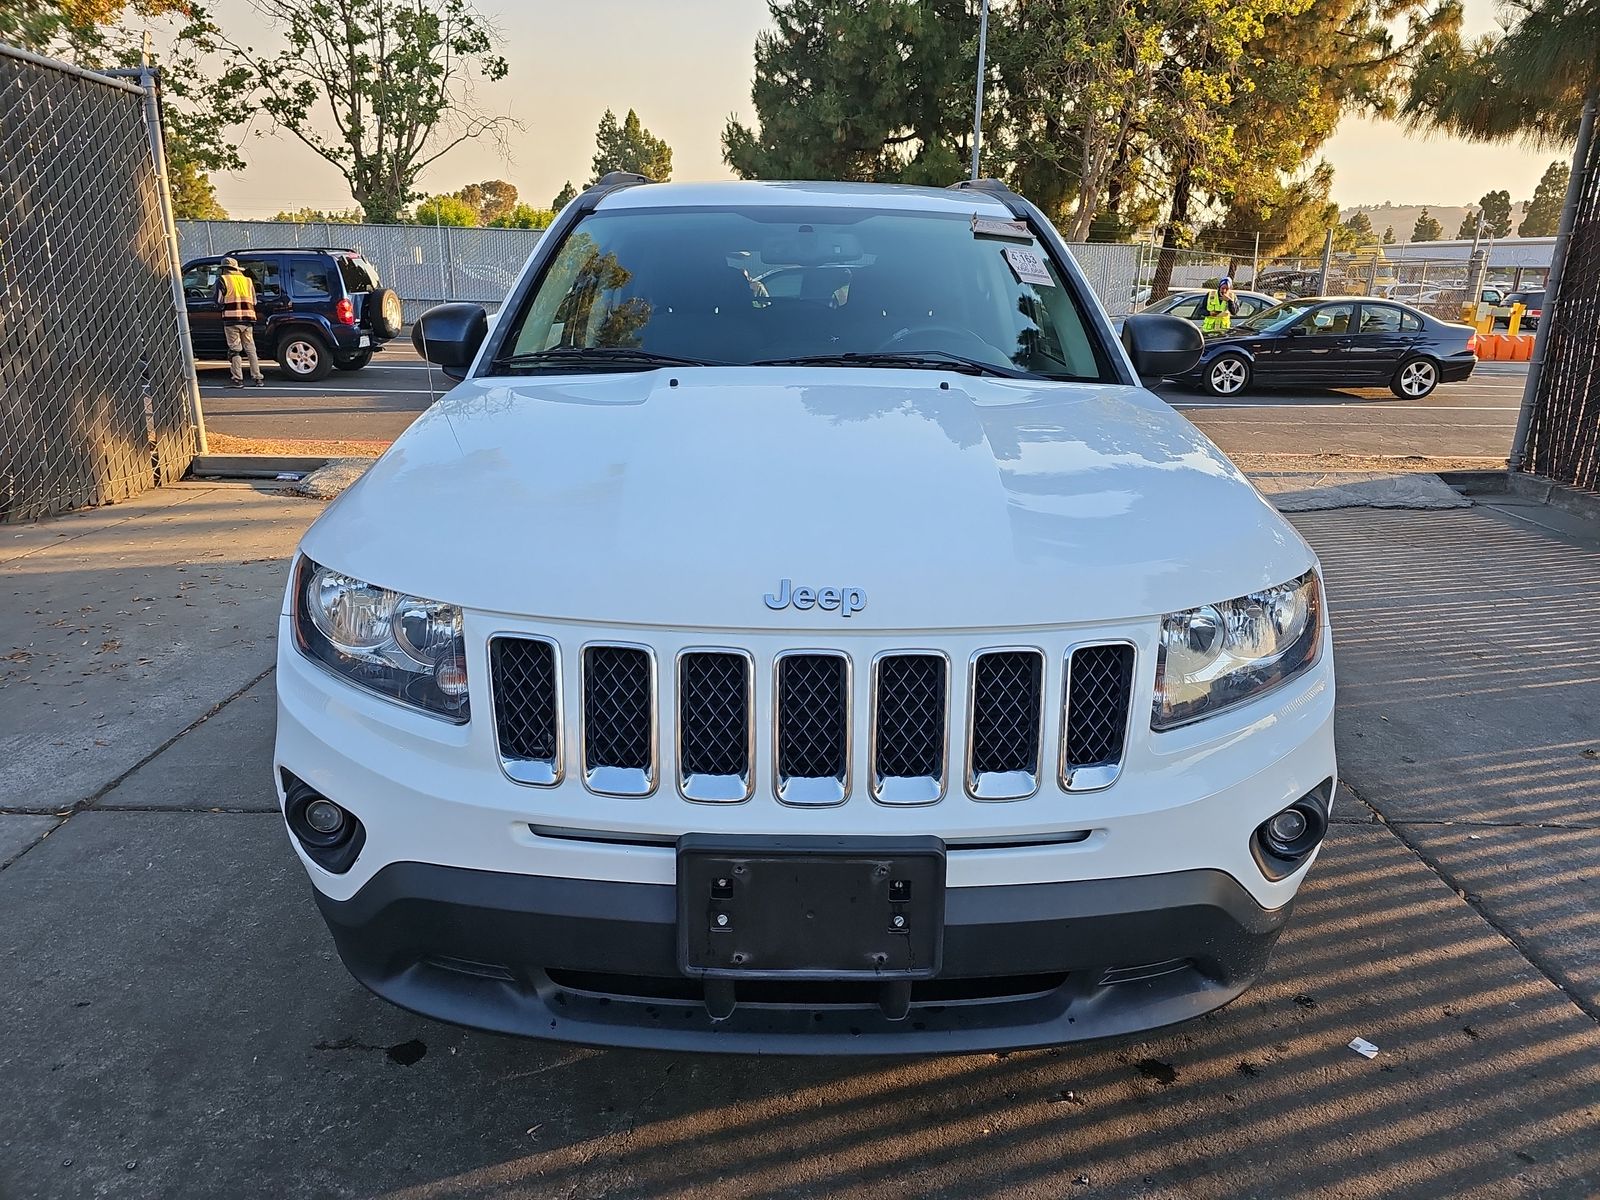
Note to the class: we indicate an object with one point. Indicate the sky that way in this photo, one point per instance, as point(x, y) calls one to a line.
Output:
point(686, 65)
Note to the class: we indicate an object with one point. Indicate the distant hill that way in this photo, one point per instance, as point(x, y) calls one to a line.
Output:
point(1404, 216)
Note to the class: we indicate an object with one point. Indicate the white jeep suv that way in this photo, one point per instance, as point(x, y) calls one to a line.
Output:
point(799, 631)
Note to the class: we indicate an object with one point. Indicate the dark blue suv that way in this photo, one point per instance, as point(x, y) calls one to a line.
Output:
point(315, 309)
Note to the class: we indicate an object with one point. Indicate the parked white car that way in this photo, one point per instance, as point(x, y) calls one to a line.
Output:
point(873, 668)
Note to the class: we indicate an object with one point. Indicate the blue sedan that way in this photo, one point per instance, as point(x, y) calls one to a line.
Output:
point(1337, 341)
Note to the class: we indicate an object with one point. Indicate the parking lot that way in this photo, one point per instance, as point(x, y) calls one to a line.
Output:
point(176, 1023)
point(1471, 419)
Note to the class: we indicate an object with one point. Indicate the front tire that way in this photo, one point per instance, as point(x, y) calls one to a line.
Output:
point(353, 362)
point(1228, 375)
point(305, 357)
point(1416, 379)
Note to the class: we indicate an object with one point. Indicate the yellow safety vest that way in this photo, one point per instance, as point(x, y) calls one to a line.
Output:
point(238, 296)
point(1218, 318)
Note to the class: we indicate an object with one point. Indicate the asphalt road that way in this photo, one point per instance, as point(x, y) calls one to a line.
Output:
point(1474, 418)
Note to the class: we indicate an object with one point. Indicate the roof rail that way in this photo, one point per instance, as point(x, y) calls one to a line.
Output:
point(288, 250)
point(996, 186)
point(614, 179)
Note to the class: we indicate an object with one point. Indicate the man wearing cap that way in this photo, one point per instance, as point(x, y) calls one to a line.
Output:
point(1221, 304)
point(236, 293)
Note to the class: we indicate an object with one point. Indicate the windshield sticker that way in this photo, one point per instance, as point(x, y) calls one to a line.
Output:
point(999, 228)
point(1028, 266)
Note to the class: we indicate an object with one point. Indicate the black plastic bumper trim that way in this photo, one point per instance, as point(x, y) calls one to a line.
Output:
point(405, 933)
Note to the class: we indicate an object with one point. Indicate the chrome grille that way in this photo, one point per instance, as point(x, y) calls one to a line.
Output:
point(619, 720)
point(715, 725)
point(1095, 725)
point(812, 728)
point(524, 675)
point(908, 730)
point(1004, 727)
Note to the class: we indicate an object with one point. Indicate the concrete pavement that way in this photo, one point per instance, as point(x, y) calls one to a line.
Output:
point(1474, 418)
point(175, 1022)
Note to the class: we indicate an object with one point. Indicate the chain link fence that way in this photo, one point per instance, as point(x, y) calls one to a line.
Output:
point(97, 397)
point(431, 264)
point(1563, 436)
point(426, 264)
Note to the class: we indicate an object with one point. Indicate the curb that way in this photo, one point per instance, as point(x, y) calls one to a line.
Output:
point(1526, 487)
point(253, 466)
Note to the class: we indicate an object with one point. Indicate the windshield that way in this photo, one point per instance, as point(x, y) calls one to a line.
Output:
point(745, 286)
point(1278, 315)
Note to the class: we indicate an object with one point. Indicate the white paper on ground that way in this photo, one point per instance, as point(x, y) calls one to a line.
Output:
point(1364, 1048)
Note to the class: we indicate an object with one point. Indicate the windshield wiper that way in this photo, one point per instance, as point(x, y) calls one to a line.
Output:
point(926, 360)
point(600, 356)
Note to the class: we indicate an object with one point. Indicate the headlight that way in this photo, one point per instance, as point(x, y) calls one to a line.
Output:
point(1219, 655)
point(402, 647)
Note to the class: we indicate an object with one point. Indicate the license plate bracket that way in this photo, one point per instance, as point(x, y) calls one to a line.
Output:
point(810, 907)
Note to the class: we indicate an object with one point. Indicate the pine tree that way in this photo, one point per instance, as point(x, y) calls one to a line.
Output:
point(1496, 210)
point(1427, 228)
point(564, 196)
point(630, 147)
point(1543, 216)
point(1361, 225)
point(1388, 235)
point(860, 89)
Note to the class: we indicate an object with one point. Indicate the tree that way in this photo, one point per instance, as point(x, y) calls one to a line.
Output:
point(525, 216)
point(1360, 225)
point(1496, 210)
point(392, 78)
point(1427, 228)
point(1543, 216)
point(1527, 83)
point(491, 200)
point(860, 89)
point(564, 196)
point(1388, 235)
point(445, 210)
point(198, 112)
point(630, 147)
point(193, 196)
point(312, 216)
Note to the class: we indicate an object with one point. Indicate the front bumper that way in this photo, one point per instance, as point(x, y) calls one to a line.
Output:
point(596, 962)
point(551, 911)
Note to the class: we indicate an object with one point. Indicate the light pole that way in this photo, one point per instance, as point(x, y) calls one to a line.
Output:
point(977, 108)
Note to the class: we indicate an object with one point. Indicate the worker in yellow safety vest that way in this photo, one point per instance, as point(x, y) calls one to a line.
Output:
point(236, 293)
point(1221, 304)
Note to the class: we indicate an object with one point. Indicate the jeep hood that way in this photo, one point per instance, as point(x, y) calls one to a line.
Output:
point(682, 498)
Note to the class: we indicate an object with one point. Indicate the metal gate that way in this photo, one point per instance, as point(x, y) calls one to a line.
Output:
point(98, 398)
point(1563, 419)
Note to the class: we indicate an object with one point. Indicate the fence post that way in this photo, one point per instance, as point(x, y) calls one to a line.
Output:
point(1327, 264)
point(1552, 300)
point(148, 77)
point(210, 246)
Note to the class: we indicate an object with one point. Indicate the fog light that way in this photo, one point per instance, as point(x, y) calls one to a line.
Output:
point(331, 835)
point(324, 816)
point(1283, 830)
point(1284, 840)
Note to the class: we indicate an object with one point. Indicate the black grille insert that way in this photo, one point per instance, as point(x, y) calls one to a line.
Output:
point(909, 725)
point(1099, 689)
point(1007, 691)
point(714, 714)
point(522, 673)
point(616, 708)
point(812, 703)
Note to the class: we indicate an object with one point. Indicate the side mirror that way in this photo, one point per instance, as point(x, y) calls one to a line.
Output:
point(1161, 345)
point(450, 334)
